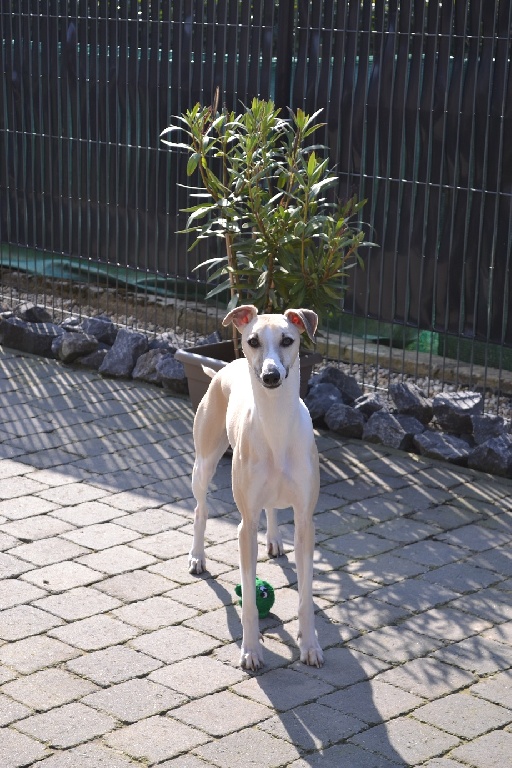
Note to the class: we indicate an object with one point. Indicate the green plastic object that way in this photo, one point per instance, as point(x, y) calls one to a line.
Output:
point(264, 597)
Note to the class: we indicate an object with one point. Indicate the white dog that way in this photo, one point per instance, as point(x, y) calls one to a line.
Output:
point(253, 404)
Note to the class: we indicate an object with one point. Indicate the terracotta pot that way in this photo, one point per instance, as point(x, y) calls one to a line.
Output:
point(218, 355)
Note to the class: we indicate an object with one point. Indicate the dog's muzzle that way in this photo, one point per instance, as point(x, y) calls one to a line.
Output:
point(272, 377)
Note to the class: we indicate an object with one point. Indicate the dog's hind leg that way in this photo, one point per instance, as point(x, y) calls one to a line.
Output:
point(274, 539)
point(211, 442)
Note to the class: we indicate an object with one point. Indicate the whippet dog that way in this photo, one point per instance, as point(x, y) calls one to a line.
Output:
point(253, 404)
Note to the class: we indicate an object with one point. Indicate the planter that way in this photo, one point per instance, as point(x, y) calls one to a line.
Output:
point(218, 355)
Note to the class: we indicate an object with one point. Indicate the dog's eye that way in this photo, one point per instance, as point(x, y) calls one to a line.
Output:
point(287, 341)
point(253, 342)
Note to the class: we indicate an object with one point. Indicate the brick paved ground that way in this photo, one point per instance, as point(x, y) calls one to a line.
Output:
point(112, 655)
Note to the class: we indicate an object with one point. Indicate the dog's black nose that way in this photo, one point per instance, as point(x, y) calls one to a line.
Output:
point(272, 378)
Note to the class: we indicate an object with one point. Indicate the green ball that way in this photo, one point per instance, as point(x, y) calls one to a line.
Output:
point(265, 597)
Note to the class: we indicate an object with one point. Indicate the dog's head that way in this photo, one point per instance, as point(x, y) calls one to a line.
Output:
point(271, 342)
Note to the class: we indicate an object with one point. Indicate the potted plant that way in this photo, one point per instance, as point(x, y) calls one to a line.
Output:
point(268, 193)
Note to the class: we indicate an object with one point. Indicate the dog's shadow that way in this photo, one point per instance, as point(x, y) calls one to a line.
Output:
point(324, 712)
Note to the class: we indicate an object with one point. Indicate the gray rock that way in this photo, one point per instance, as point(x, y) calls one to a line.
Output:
point(346, 384)
point(69, 346)
point(94, 360)
point(320, 398)
point(172, 375)
point(410, 400)
point(344, 420)
point(34, 338)
point(391, 430)
point(32, 313)
point(121, 358)
point(453, 410)
point(436, 445)
point(371, 403)
point(213, 338)
point(486, 426)
point(100, 327)
point(146, 367)
point(494, 456)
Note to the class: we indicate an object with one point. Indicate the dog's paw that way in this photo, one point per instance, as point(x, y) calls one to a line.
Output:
point(275, 546)
point(196, 564)
point(312, 656)
point(251, 660)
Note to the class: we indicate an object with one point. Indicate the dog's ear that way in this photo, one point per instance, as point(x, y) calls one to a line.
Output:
point(304, 319)
point(241, 316)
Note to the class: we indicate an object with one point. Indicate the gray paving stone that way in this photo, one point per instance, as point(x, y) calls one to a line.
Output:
point(494, 750)
point(48, 688)
point(34, 653)
point(88, 513)
point(47, 551)
point(134, 700)
point(154, 613)
point(117, 559)
point(501, 633)
point(385, 568)
point(312, 726)
point(16, 592)
point(283, 689)
point(208, 676)
point(67, 726)
point(25, 506)
point(37, 527)
point(478, 716)
point(113, 665)
point(491, 605)
point(462, 577)
point(87, 756)
point(359, 544)
point(61, 576)
point(78, 603)
point(11, 710)
point(446, 623)
point(166, 544)
point(136, 585)
point(372, 701)
point(427, 677)
point(476, 538)
point(250, 748)
point(344, 755)
point(155, 739)
point(222, 713)
point(432, 553)
point(415, 594)
point(11, 487)
point(174, 644)
point(395, 644)
point(72, 494)
point(25, 620)
point(477, 654)
point(95, 632)
point(152, 521)
point(497, 689)
point(100, 536)
point(17, 750)
point(407, 739)
point(365, 613)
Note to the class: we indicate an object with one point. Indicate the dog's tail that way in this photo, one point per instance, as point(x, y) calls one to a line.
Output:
point(209, 371)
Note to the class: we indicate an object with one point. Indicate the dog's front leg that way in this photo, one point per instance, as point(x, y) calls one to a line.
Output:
point(251, 655)
point(310, 651)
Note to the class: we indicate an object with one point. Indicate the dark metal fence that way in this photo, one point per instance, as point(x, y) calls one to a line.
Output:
point(417, 99)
